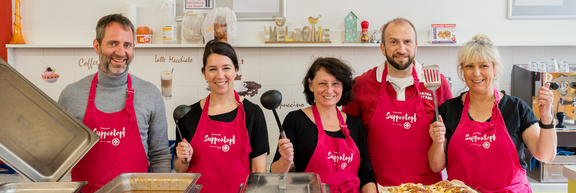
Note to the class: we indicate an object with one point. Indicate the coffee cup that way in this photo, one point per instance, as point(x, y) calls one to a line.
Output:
point(166, 78)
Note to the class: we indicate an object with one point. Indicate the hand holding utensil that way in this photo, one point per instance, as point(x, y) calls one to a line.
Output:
point(271, 100)
point(180, 112)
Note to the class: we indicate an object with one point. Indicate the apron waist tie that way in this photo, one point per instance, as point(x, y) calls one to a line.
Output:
point(505, 189)
point(347, 186)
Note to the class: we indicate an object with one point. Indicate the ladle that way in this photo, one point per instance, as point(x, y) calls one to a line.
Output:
point(179, 112)
point(271, 100)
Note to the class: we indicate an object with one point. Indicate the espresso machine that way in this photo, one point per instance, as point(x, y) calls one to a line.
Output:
point(526, 81)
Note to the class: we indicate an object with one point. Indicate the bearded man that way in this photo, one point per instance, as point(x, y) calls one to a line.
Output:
point(397, 110)
point(125, 111)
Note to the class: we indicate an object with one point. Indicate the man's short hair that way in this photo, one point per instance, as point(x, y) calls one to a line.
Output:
point(398, 20)
point(118, 18)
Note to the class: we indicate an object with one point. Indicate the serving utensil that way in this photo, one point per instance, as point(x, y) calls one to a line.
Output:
point(432, 82)
point(179, 112)
point(271, 100)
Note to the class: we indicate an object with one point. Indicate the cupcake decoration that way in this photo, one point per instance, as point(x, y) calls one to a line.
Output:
point(50, 75)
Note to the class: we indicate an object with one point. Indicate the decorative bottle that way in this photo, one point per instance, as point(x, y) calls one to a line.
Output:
point(364, 38)
point(17, 37)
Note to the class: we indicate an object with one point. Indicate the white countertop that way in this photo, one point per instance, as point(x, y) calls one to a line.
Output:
point(553, 186)
point(569, 172)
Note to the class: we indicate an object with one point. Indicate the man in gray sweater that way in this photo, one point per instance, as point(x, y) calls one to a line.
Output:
point(125, 111)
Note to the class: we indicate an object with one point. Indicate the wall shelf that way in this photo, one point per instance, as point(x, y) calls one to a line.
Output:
point(311, 45)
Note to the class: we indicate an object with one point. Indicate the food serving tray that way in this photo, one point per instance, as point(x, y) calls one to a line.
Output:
point(44, 187)
point(39, 139)
point(292, 182)
point(152, 182)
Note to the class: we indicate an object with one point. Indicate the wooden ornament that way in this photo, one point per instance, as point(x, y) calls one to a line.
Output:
point(280, 34)
point(305, 35)
point(351, 27)
point(288, 39)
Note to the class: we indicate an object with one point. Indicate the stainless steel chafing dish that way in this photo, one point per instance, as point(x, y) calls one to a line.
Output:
point(40, 139)
point(279, 182)
point(153, 182)
point(44, 187)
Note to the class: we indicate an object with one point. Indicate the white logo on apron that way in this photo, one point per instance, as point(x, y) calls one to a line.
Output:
point(115, 141)
point(217, 139)
point(426, 95)
point(407, 125)
point(336, 157)
point(399, 117)
point(486, 145)
point(344, 165)
point(480, 140)
point(104, 132)
point(107, 132)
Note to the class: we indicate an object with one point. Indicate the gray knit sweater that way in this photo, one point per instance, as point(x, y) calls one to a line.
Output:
point(111, 97)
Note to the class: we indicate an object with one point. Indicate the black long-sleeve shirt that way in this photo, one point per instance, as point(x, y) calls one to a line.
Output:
point(303, 134)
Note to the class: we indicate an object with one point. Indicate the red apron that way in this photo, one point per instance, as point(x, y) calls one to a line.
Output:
point(120, 148)
point(221, 151)
point(398, 139)
point(335, 160)
point(482, 154)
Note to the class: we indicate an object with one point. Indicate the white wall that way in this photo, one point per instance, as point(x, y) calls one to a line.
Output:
point(73, 22)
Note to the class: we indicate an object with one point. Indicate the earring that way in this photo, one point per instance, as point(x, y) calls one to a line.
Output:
point(495, 77)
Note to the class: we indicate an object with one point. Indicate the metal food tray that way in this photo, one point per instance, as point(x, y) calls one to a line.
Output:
point(44, 187)
point(40, 139)
point(156, 182)
point(293, 182)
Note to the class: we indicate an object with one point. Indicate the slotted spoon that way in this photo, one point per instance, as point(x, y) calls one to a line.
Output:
point(432, 82)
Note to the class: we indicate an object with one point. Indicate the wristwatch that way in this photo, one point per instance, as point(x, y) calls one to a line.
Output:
point(551, 126)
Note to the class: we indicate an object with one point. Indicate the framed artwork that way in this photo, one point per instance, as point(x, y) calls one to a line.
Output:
point(246, 10)
point(541, 9)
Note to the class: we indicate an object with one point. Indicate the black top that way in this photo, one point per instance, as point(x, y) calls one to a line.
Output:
point(517, 115)
point(303, 134)
point(255, 124)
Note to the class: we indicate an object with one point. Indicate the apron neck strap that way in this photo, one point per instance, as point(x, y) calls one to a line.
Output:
point(316, 114)
point(495, 108)
point(92, 95)
point(496, 96)
point(207, 102)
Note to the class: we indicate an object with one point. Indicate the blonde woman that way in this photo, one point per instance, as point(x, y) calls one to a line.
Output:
point(481, 134)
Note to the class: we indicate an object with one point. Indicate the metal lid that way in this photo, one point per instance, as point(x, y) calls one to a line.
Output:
point(272, 182)
point(40, 139)
point(44, 187)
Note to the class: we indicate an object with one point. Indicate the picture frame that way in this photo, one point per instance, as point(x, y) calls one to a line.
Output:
point(246, 15)
point(541, 9)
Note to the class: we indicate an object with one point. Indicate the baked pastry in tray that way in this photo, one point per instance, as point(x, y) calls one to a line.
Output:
point(454, 186)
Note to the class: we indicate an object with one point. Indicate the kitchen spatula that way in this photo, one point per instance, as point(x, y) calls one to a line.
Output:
point(432, 82)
